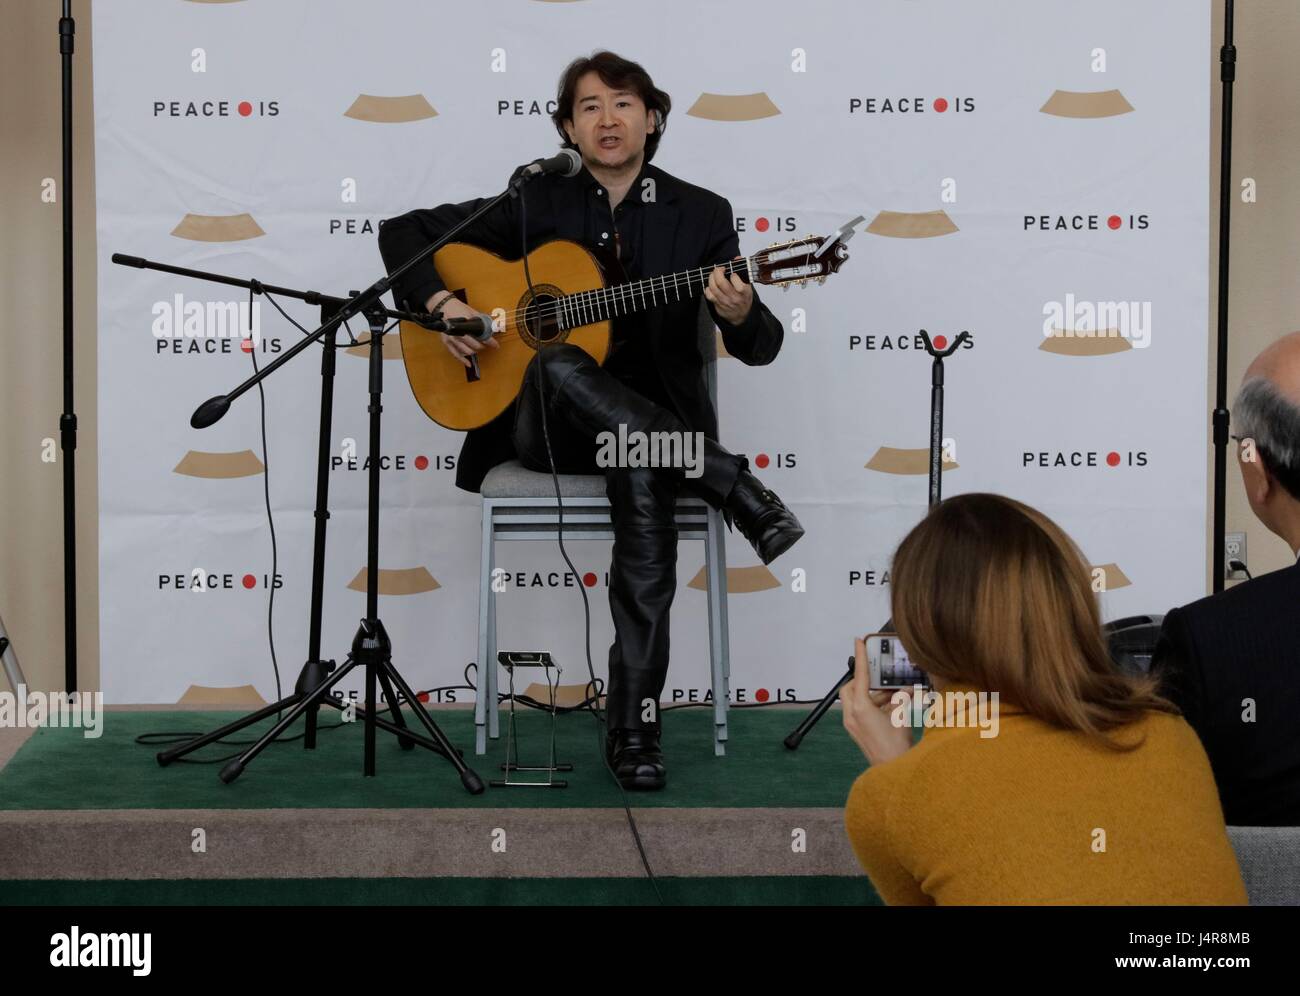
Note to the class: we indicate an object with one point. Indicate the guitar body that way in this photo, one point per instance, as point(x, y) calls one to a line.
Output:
point(574, 302)
point(462, 398)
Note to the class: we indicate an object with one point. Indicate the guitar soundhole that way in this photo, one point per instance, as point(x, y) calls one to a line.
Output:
point(541, 321)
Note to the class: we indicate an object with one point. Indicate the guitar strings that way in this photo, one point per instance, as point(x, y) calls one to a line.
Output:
point(558, 307)
point(579, 304)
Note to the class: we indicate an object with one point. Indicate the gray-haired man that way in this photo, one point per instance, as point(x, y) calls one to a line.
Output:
point(1232, 661)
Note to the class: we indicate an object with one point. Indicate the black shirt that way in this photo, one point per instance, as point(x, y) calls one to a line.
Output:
point(619, 232)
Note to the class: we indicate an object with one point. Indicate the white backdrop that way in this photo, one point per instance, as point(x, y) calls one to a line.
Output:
point(1065, 144)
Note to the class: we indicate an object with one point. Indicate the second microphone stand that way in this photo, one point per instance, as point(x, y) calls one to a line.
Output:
point(936, 468)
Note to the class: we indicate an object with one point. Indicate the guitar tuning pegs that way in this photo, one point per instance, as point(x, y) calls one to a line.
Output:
point(821, 280)
point(785, 287)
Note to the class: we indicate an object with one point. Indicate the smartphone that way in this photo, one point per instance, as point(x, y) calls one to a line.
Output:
point(891, 668)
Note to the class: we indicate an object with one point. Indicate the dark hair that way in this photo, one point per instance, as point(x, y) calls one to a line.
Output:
point(621, 74)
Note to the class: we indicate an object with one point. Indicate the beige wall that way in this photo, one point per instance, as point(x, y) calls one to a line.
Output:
point(1265, 244)
point(31, 321)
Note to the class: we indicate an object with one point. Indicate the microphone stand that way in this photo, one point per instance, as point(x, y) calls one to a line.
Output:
point(371, 646)
point(793, 741)
point(1219, 417)
point(68, 419)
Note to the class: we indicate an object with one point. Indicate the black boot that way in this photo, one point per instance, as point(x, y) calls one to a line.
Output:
point(762, 517)
point(636, 757)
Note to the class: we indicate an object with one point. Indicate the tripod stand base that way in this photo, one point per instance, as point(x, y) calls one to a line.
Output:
point(370, 648)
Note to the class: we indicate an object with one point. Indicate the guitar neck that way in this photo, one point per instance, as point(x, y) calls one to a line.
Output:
point(605, 303)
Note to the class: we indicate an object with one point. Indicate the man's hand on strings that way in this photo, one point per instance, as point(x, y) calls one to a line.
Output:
point(730, 295)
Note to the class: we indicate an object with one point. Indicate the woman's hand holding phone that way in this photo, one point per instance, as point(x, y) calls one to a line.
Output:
point(867, 714)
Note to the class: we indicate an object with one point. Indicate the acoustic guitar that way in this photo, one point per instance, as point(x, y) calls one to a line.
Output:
point(573, 300)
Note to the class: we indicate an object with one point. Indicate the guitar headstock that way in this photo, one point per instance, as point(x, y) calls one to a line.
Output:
point(796, 262)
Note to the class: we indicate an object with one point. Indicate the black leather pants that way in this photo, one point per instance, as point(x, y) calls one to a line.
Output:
point(584, 400)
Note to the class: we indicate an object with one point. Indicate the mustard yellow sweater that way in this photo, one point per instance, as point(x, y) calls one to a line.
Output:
point(1042, 815)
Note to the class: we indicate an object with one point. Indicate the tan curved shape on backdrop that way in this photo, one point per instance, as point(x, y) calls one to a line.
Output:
point(197, 463)
point(566, 696)
point(1115, 578)
point(1104, 343)
point(390, 110)
point(1097, 104)
point(912, 224)
point(720, 346)
point(392, 346)
point(234, 695)
point(397, 581)
point(733, 107)
point(218, 228)
point(891, 460)
point(740, 580)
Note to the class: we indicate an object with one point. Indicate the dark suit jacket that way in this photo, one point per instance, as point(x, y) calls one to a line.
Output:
point(1243, 643)
point(684, 227)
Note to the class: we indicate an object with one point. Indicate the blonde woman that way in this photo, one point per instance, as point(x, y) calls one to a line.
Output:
point(1093, 790)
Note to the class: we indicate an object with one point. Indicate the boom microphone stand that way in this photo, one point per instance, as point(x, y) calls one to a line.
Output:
point(371, 646)
point(936, 450)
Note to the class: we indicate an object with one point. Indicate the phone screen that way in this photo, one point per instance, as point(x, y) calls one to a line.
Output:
point(890, 665)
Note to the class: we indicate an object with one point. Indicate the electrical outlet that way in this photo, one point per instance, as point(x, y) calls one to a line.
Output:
point(1234, 548)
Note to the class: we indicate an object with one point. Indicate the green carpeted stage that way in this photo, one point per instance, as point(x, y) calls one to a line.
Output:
point(91, 822)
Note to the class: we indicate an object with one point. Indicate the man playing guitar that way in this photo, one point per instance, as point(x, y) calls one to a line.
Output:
point(652, 381)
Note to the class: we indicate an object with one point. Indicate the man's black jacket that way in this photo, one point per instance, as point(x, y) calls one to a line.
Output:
point(1217, 653)
point(685, 226)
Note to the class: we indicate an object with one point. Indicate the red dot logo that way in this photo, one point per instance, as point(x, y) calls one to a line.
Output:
point(589, 579)
point(422, 696)
point(761, 460)
point(1112, 458)
point(761, 695)
point(246, 345)
point(940, 105)
point(941, 342)
point(761, 224)
point(1114, 221)
point(245, 108)
point(422, 462)
point(250, 581)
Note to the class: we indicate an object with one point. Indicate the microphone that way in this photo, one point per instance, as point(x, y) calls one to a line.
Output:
point(566, 162)
point(479, 327)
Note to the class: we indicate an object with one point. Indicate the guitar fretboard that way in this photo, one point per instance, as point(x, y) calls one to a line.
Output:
point(586, 307)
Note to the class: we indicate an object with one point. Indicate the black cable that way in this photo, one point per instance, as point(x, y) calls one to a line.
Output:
point(532, 703)
point(254, 287)
point(602, 731)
